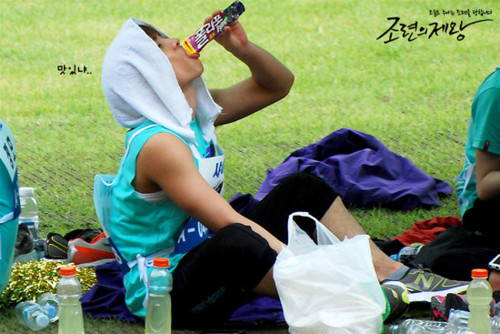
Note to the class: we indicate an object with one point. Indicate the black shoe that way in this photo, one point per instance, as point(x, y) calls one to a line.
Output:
point(441, 306)
point(57, 246)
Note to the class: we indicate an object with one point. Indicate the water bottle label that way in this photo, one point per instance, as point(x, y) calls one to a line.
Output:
point(28, 223)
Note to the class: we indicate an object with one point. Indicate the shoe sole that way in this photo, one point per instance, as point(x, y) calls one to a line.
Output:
point(425, 296)
point(402, 300)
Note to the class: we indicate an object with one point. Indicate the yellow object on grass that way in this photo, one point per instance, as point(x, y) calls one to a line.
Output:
point(30, 279)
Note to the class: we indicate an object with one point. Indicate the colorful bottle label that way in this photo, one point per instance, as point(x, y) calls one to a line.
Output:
point(196, 42)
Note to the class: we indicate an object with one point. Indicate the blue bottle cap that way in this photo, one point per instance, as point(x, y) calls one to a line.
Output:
point(42, 321)
point(51, 310)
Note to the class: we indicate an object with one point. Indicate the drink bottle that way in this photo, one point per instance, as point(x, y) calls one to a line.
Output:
point(158, 309)
point(419, 326)
point(479, 296)
point(50, 302)
point(69, 292)
point(29, 206)
point(406, 254)
point(196, 42)
point(32, 315)
point(30, 219)
point(495, 320)
point(460, 319)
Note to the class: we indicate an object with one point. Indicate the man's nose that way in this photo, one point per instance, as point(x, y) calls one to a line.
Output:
point(174, 42)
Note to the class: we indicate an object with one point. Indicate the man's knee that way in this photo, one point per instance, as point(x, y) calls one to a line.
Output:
point(241, 242)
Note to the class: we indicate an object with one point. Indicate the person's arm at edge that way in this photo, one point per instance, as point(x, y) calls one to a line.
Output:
point(487, 162)
point(487, 175)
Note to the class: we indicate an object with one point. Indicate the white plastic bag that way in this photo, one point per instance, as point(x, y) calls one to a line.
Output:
point(328, 287)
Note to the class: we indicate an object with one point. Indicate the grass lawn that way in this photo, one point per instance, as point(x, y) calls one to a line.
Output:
point(414, 96)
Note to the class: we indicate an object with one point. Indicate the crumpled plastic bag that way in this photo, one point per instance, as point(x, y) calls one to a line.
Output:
point(328, 287)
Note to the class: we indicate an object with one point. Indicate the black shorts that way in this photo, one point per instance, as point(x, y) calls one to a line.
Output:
point(218, 275)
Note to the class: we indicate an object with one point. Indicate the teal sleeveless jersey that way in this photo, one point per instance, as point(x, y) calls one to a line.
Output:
point(141, 228)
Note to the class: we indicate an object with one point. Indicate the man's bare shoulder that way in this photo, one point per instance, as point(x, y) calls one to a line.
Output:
point(165, 145)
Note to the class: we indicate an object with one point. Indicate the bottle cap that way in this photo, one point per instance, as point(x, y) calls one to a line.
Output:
point(51, 310)
point(161, 262)
point(479, 273)
point(68, 270)
point(42, 320)
point(26, 191)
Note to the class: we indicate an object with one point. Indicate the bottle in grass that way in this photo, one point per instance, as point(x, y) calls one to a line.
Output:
point(32, 315)
point(158, 308)
point(419, 326)
point(50, 303)
point(69, 292)
point(479, 296)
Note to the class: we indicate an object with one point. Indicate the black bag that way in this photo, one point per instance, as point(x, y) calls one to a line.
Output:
point(456, 251)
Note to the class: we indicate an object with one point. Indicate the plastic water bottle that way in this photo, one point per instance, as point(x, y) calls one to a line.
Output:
point(32, 315)
point(408, 253)
point(159, 307)
point(460, 319)
point(29, 208)
point(495, 320)
point(419, 326)
point(29, 217)
point(69, 292)
point(50, 302)
point(479, 296)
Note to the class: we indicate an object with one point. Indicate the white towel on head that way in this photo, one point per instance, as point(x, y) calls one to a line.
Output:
point(140, 84)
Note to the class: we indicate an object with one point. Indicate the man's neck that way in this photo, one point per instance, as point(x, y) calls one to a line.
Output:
point(190, 94)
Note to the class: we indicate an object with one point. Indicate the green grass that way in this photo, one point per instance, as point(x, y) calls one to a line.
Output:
point(413, 96)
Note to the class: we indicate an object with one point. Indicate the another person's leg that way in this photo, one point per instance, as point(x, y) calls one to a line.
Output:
point(305, 192)
point(297, 192)
point(341, 222)
point(495, 280)
point(421, 284)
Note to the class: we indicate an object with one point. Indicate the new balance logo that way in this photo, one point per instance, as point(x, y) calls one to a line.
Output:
point(425, 282)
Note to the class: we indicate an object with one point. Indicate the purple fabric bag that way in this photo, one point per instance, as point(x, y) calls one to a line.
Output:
point(363, 171)
point(106, 299)
point(261, 310)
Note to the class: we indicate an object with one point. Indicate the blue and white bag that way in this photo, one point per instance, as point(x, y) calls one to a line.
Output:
point(10, 207)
